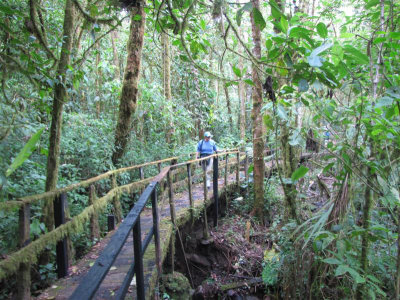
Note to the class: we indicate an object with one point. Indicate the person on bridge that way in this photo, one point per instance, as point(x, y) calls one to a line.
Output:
point(206, 147)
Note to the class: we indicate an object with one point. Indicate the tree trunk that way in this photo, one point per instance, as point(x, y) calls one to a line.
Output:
point(99, 76)
point(167, 81)
point(117, 73)
point(258, 145)
point(57, 109)
point(53, 158)
point(242, 105)
point(130, 84)
point(228, 104)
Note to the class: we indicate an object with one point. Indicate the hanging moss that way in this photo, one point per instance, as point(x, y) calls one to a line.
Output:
point(29, 254)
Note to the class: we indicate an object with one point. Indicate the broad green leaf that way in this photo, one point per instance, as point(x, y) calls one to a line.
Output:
point(258, 18)
point(371, 3)
point(332, 261)
point(268, 121)
point(394, 35)
point(275, 10)
point(322, 30)
point(299, 173)
point(328, 167)
point(384, 101)
point(137, 17)
point(303, 85)
point(93, 10)
point(249, 82)
point(268, 44)
point(394, 92)
point(342, 269)
point(282, 112)
point(346, 35)
point(357, 54)
point(379, 40)
point(23, 155)
point(203, 24)
point(288, 60)
point(237, 71)
point(284, 24)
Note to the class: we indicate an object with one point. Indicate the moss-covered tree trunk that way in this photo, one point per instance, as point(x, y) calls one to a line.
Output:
point(167, 81)
point(258, 144)
point(228, 105)
point(57, 109)
point(290, 161)
point(242, 106)
point(117, 72)
point(129, 92)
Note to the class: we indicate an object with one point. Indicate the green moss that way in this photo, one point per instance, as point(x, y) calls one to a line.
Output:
point(176, 285)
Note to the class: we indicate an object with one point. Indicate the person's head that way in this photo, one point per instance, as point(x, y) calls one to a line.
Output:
point(207, 135)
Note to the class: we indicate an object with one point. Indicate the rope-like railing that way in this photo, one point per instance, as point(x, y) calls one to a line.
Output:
point(20, 261)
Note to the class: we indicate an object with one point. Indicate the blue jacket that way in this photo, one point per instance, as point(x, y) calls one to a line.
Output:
point(206, 148)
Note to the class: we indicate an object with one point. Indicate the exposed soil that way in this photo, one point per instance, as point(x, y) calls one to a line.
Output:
point(229, 264)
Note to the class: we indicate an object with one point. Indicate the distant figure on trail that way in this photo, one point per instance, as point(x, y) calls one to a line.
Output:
point(206, 147)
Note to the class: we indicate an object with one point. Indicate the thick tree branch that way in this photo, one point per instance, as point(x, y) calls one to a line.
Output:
point(91, 19)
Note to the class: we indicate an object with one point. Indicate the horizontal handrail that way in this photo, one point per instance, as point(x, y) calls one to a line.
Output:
point(104, 262)
point(33, 198)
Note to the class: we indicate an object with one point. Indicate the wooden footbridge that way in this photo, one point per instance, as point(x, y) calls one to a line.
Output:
point(140, 244)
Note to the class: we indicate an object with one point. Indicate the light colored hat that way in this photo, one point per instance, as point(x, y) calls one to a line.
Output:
point(207, 134)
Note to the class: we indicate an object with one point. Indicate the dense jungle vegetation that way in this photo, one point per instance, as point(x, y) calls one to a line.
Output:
point(89, 86)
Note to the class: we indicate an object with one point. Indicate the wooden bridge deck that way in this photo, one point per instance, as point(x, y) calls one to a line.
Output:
point(63, 288)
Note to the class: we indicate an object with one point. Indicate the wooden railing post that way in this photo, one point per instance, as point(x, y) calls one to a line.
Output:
point(206, 234)
point(237, 171)
point(137, 249)
point(94, 219)
point(215, 189)
point(110, 223)
point(161, 182)
point(116, 203)
point(62, 246)
point(24, 272)
point(189, 174)
point(173, 217)
point(141, 176)
point(156, 225)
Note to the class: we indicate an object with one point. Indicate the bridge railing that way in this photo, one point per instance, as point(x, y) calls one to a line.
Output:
point(93, 279)
point(20, 261)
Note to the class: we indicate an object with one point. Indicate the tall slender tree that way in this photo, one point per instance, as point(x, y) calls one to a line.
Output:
point(258, 144)
point(129, 92)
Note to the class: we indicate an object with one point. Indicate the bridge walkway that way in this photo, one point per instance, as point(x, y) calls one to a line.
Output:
point(63, 288)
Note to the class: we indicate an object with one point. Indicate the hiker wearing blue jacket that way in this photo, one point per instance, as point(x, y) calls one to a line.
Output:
point(205, 148)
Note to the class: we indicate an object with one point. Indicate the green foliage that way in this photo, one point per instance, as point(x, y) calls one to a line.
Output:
point(24, 154)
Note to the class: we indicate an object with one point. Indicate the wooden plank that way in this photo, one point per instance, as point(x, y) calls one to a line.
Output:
point(91, 282)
